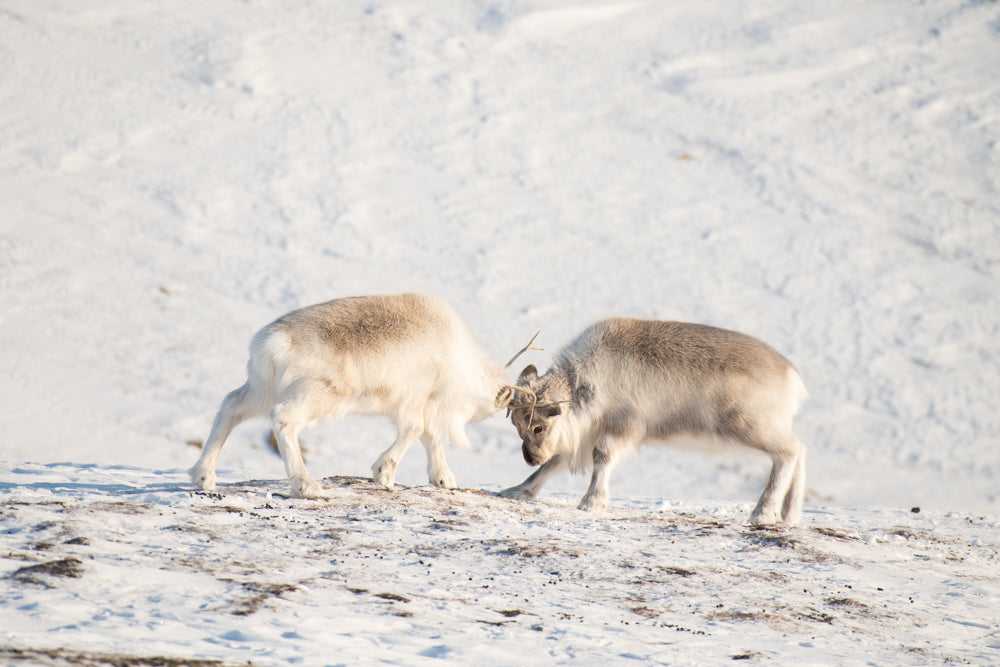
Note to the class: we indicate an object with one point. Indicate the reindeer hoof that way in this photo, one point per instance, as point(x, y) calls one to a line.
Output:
point(203, 480)
point(593, 504)
point(308, 489)
point(516, 493)
point(764, 519)
point(384, 474)
point(445, 480)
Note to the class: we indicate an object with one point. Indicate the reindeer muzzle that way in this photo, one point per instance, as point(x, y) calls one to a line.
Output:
point(530, 457)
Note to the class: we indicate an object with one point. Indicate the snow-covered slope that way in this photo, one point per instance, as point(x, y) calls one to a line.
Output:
point(109, 561)
point(821, 175)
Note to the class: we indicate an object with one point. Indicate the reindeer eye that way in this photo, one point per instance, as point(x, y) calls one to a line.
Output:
point(538, 430)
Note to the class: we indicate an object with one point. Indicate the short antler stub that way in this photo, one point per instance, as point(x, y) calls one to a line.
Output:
point(524, 349)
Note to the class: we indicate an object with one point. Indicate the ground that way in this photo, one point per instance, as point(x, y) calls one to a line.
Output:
point(105, 556)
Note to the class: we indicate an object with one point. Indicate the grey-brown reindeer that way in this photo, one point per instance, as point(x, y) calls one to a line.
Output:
point(624, 382)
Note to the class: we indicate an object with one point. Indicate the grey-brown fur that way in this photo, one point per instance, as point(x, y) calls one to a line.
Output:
point(365, 323)
point(625, 381)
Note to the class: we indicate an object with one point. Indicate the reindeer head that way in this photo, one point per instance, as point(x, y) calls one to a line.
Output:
point(535, 410)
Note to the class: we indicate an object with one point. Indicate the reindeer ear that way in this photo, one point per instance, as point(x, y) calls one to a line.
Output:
point(503, 398)
point(551, 410)
point(527, 375)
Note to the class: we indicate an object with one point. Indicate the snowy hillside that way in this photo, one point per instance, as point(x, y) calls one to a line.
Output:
point(113, 561)
point(824, 176)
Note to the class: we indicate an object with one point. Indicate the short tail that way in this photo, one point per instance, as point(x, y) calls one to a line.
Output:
point(796, 389)
point(269, 354)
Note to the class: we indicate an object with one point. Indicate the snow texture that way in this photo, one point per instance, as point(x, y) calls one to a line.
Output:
point(823, 176)
point(110, 559)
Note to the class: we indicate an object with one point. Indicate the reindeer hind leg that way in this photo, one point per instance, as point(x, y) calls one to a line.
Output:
point(303, 402)
point(771, 506)
point(238, 406)
point(791, 510)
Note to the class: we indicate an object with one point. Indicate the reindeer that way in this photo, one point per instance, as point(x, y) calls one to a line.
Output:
point(408, 357)
point(624, 382)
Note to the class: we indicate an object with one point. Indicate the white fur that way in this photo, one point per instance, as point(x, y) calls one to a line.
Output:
point(408, 357)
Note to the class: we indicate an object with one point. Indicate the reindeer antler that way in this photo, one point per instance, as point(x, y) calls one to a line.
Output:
point(534, 402)
point(523, 350)
point(524, 390)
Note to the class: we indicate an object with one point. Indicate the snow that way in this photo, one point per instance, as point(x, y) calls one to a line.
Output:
point(370, 576)
point(823, 176)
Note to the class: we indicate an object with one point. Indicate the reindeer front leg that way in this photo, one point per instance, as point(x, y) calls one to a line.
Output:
point(606, 455)
point(438, 472)
point(384, 468)
point(530, 487)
